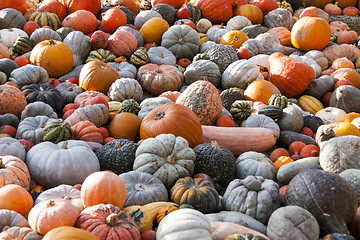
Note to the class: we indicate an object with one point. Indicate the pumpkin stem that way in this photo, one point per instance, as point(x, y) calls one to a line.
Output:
point(159, 115)
point(41, 125)
point(64, 145)
point(70, 89)
point(50, 203)
point(41, 90)
point(159, 70)
point(104, 67)
point(1, 163)
point(66, 198)
point(171, 159)
point(117, 145)
point(52, 42)
point(236, 37)
point(112, 219)
point(215, 144)
point(181, 41)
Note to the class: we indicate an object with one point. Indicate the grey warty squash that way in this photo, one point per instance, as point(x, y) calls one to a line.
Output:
point(254, 164)
point(222, 55)
point(11, 146)
point(327, 196)
point(125, 88)
point(254, 196)
point(29, 74)
point(166, 157)
point(353, 177)
point(279, 17)
point(347, 98)
point(31, 128)
point(68, 162)
point(142, 188)
point(202, 69)
point(38, 109)
point(292, 222)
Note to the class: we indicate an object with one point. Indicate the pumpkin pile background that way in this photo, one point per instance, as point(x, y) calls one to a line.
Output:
point(177, 119)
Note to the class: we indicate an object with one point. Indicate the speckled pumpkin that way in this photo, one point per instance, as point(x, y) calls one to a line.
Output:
point(12, 100)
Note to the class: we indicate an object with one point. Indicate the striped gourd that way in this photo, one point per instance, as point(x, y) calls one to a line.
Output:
point(131, 106)
point(274, 112)
point(114, 106)
point(195, 13)
point(21, 45)
point(46, 19)
point(241, 110)
point(56, 131)
point(278, 100)
point(139, 57)
point(203, 38)
point(310, 104)
point(200, 56)
point(102, 55)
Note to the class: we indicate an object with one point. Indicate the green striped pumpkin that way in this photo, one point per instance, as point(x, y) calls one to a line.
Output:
point(310, 104)
point(46, 19)
point(195, 13)
point(139, 57)
point(102, 55)
point(21, 45)
point(56, 131)
point(274, 112)
point(240, 110)
point(130, 105)
point(278, 100)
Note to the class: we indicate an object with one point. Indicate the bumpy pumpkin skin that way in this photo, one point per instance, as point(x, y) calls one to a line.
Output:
point(12, 100)
point(216, 11)
point(21, 233)
point(14, 171)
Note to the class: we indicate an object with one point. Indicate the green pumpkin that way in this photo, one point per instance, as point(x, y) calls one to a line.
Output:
point(274, 112)
point(278, 100)
point(244, 236)
point(21, 45)
point(240, 110)
point(130, 105)
point(139, 57)
point(101, 55)
point(56, 131)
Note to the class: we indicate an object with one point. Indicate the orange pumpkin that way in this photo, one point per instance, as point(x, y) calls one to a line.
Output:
point(333, 9)
point(77, 21)
point(342, 82)
point(282, 161)
point(125, 125)
point(252, 12)
point(172, 118)
point(344, 128)
point(19, 5)
point(218, 11)
point(14, 171)
point(174, 3)
point(314, 12)
point(172, 95)
point(234, 38)
point(51, 214)
point(283, 34)
point(122, 43)
point(342, 63)
point(351, 11)
point(103, 187)
point(335, 51)
point(288, 75)
point(65, 232)
point(278, 152)
point(348, 37)
point(54, 56)
point(310, 33)
point(97, 76)
point(347, 73)
point(53, 6)
point(87, 131)
point(12, 100)
point(153, 29)
point(16, 198)
point(112, 19)
point(261, 90)
point(265, 5)
point(310, 150)
point(4, 51)
point(72, 6)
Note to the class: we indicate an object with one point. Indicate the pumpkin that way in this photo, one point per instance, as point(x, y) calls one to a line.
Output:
point(85, 98)
point(216, 11)
point(46, 19)
point(125, 88)
point(283, 34)
point(107, 220)
point(86, 131)
point(238, 23)
point(125, 125)
point(69, 232)
point(4, 52)
point(260, 207)
point(73, 6)
point(216, 32)
point(29, 74)
point(346, 74)
point(150, 103)
point(186, 224)
point(265, 5)
point(112, 19)
point(11, 18)
point(19, 5)
point(172, 95)
point(168, 12)
point(113, 189)
point(158, 79)
point(252, 12)
point(143, 188)
point(285, 72)
point(9, 119)
point(78, 154)
point(12, 100)
point(220, 230)
point(153, 29)
point(68, 91)
point(9, 218)
point(9, 36)
point(97, 76)
point(52, 212)
point(183, 123)
point(305, 28)
point(79, 45)
point(184, 45)
point(222, 55)
point(344, 50)
point(319, 57)
point(279, 17)
point(15, 197)
point(262, 121)
point(344, 98)
point(122, 43)
point(260, 90)
point(52, 6)
point(19, 233)
point(178, 154)
point(241, 236)
point(331, 218)
point(349, 37)
point(73, 20)
point(260, 164)
point(144, 16)
point(351, 11)
point(14, 171)
point(7, 66)
point(11, 146)
point(161, 56)
point(342, 63)
point(283, 224)
point(174, 3)
point(344, 128)
point(202, 69)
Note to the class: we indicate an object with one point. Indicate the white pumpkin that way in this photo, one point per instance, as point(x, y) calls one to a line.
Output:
point(11, 146)
point(161, 56)
point(9, 36)
point(238, 22)
point(125, 88)
point(125, 69)
point(255, 164)
point(80, 46)
point(332, 114)
point(216, 32)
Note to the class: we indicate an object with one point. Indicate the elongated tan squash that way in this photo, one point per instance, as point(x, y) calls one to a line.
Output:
point(240, 139)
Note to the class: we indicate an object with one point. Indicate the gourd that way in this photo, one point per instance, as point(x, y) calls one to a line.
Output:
point(291, 120)
point(346, 98)
point(144, 16)
point(13, 101)
point(68, 91)
point(240, 74)
point(161, 56)
point(31, 128)
point(38, 108)
point(167, 11)
point(319, 86)
point(352, 176)
point(254, 164)
point(319, 57)
point(139, 57)
point(69, 232)
point(238, 22)
point(80, 46)
point(29, 74)
point(271, 43)
point(11, 146)
point(42, 34)
point(97, 114)
point(310, 104)
point(125, 88)
point(221, 230)
point(19, 233)
point(202, 69)
point(46, 19)
point(309, 61)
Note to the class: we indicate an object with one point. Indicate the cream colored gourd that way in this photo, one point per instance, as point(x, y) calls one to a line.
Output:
point(80, 46)
point(332, 114)
point(238, 22)
point(9, 35)
point(240, 74)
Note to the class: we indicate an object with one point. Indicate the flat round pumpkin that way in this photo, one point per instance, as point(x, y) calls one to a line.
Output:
point(12, 100)
point(125, 125)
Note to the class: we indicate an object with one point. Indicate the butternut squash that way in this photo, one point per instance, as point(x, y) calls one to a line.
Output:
point(240, 139)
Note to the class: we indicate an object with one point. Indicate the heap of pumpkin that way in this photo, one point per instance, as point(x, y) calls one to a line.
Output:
point(174, 119)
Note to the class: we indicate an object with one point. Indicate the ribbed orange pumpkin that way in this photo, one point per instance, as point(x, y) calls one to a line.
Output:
point(81, 20)
point(54, 56)
point(252, 12)
point(122, 43)
point(347, 73)
point(172, 95)
point(19, 5)
point(125, 125)
point(288, 75)
point(219, 11)
point(344, 128)
point(87, 131)
point(175, 3)
point(93, 6)
point(310, 33)
point(14, 171)
point(153, 29)
point(261, 90)
point(12, 100)
point(314, 12)
point(234, 38)
point(97, 76)
point(103, 187)
point(351, 11)
point(172, 118)
point(203, 98)
point(283, 34)
point(342, 63)
point(16, 198)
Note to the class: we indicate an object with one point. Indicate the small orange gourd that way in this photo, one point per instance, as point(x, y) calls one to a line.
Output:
point(282, 161)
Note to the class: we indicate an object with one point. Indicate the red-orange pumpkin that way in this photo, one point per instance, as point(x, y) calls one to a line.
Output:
point(314, 12)
point(12, 100)
point(19, 5)
point(87, 131)
point(265, 5)
point(172, 95)
point(351, 11)
point(75, 5)
point(4, 51)
point(174, 3)
point(260, 90)
point(288, 75)
point(172, 118)
point(348, 37)
point(112, 19)
point(252, 12)
point(219, 11)
point(342, 63)
point(53, 6)
point(283, 34)
point(81, 20)
point(125, 125)
point(333, 9)
point(85, 98)
point(15, 197)
point(14, 171)
point(348, 74)
point(122, 43)
point(130, 4)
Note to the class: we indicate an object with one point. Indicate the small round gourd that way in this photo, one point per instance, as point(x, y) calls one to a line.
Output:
point(278, 100)
point(130, 105)
point(125, 88)
point(56, 131)
point(241, 110)
point(254, 164)
point(230, 95)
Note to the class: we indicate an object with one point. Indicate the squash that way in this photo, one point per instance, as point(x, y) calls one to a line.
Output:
point(12, 100)
point(100, 54)
point(220, 230)
point(97, 114)
point(284, 224)
point(287, 137)
point(87, 97)
point(46, 19)
point(9, 218)
point(15, 197)
point(218, 11)
point(319, 57)
point(125, 125)
point(122, 43)
point(8, 36)
point(239, 22)
point(222, 55)
point(125, 88)
point(19, 233)
point(31, 128)
point(345, 97)
point(344, 50)
point(319, 86)
point(42, 34)
point(353, 177)
point(309, 61)
point(251, 12)
point(79, 45)
point(73, 20)
point(288, 171)
point(68, 91)
point(56, 130)
point(139, 57)
point(310, 104)
point(168, 12)
point(153, 29)
point(257, 139)
point(86, 131)
point(279, 17)
point(161, 56)
point(261, 90)
point(347, 74)
point(69, 232)
point(21, 46)
point(149, 104)
point(144, 16)
point(262, 121)
point(14, 171)
point(254, 164)
point(202, 69)
point(11, 146)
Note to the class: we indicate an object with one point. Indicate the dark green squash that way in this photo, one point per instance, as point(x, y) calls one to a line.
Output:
point(56, 131)
point(287, 137)
point(131, 106)
point(43, 93)
point(9, 119)
point(274, 112)
point(278, 100)
point(312, 122)
point(215, 161)
point(139, 57)
point(167, 12)
point(199, 193)
point(22, 45)
point(195, 12)
point(241, 110)
point(327, 196)
point(117, 156)
point(7, 66)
